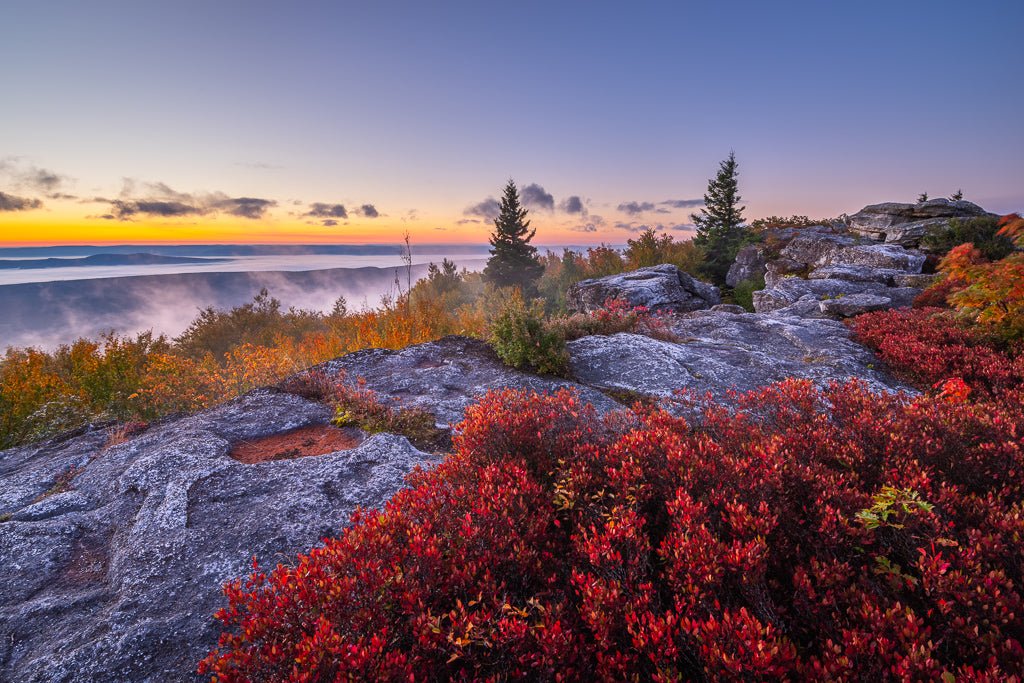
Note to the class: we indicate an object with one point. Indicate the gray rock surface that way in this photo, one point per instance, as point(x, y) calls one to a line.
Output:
point(816, 267)
point(855, 304)
point(790, 290)
point(906, 224)
point(720, 351)
point(659, 288)
point(117, 578)
point(446, 376)
point(749, 264)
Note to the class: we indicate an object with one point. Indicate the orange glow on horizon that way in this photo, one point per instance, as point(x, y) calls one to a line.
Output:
point(32, 229)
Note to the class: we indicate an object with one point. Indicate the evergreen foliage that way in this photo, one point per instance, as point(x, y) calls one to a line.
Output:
point(720, 230)
point(514, 261)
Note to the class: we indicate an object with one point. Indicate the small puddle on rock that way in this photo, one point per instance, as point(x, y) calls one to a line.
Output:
point(298, 443)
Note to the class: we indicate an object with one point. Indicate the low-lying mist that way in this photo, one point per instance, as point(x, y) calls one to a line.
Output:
point(47, 314)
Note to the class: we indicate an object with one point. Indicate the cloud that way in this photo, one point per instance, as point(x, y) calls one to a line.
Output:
point(464, 221)
point(159, 199)
point(593, 224)
point(634, 208)
point(246, 207)
point(488, 208)
point(369, 210)
point(573, 204)
point(536, 197)
point(43, 180)
point(330, 222)
point(682, 203)
point(31, 177)
point(125, 209)
point(637, 208)
point(61, 195)
point(259, 165)
point(321, 210)
point(8, 202)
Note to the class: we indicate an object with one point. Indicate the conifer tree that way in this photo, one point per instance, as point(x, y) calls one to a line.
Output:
point(514, 261)
point(720, 229)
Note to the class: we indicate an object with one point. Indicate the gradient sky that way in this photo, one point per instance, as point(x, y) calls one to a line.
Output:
point(255, 121)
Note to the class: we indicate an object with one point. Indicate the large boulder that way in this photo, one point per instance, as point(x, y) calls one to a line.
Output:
point(114, 556)
point(723, 351)
point(662, 288)
point(906, 224)
point(815, 249)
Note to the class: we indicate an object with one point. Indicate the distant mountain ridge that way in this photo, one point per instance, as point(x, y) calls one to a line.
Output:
point(138, 259)
point(241, 249)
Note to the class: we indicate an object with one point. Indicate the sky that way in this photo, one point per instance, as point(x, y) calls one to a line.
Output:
point(309, 122)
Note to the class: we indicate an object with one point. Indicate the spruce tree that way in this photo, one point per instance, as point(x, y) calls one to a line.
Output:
point(720, 230)
point(514, 261)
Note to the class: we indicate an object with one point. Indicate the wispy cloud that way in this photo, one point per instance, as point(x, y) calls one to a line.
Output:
point(10, 202)
point(635, 208)
point(488, 208)
point(159, 199)
point(682, 203)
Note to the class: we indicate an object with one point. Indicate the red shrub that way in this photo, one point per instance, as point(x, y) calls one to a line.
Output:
point(806, 534)
point(927, 347)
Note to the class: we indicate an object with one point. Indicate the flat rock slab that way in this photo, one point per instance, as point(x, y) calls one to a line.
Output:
point(721, 351)
point(446, 376)
point(117, 577)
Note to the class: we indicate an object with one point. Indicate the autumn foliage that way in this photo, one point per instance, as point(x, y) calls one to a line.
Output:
point(990, 293)
point(805, 534)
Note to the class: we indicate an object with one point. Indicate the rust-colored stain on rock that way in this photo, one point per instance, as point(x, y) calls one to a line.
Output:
point(298, 443)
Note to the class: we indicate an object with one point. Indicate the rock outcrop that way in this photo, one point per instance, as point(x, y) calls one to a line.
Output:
point(816, 271)
point(749, 264)
point(115, 574)
point(446, 376)
point(662, 288)
point(719, 351)
point(906, 224)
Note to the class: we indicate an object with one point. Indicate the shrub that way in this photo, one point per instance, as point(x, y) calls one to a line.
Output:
point(759, 225)
point(617, 315)
point(988, 293)
point(358, 406)
point(802, 534)
point(743, 292)
point(983, 233)
point(928, 347)
point(521, 338)
point(650, 249)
